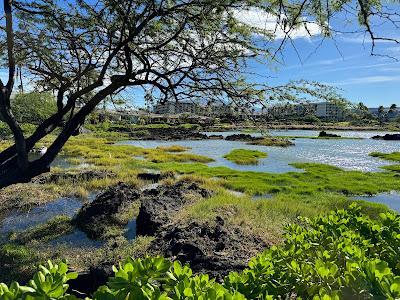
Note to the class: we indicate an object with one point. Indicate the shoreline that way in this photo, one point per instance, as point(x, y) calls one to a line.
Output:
point(301, 127)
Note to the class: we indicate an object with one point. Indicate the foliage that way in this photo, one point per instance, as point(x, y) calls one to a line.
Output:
point(245, 156)
point(33, 107)
point(344, 255)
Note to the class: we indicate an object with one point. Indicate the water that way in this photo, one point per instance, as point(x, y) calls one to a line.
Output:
point(348, 154)
point(21, 220)
point(392, 199)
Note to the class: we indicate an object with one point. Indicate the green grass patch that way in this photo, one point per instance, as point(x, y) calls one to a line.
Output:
point(245, 156)
point(315, 178)
point(173, 148)
point(394, 156)
point(394, 168)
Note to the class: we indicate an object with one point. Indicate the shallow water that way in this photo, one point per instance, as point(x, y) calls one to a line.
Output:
point(347, 154)
point(392, 199)
point(21, 220)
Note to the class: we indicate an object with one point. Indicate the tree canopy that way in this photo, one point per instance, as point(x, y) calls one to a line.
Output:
point(85, 51)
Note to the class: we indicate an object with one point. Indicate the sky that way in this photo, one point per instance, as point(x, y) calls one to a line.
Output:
point(344, 62)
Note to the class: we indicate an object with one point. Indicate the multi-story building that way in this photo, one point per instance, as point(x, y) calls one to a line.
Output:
point(329, 111)
point(177, 108)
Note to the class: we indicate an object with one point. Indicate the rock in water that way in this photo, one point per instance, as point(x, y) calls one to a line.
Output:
point(95, 217)
point(325, 134)
point(387, 137)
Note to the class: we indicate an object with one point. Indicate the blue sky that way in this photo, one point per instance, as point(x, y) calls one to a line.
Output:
point(346, 63)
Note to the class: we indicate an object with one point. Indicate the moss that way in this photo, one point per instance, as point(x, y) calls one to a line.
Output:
point(394, 156)
point(245, 156)
point(272, 141)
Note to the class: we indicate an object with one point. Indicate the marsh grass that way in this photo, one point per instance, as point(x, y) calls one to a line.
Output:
point(173, 148)
point(315, 178)
point(394, 156)
point(267, 218)
point(245, 156)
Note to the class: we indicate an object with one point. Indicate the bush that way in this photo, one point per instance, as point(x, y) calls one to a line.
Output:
point(344, 255)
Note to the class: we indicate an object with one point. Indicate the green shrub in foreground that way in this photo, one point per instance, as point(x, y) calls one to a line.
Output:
point(344, 255)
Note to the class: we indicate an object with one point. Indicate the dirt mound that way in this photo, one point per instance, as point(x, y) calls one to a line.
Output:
point(94, 218)
point(213, 249)
point(72, 177)
point(160, 205)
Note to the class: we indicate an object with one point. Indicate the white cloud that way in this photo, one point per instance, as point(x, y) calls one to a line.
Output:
point(368, 79)
point(270, 23)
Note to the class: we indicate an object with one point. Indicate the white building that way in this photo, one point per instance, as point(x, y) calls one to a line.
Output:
point(329, 111)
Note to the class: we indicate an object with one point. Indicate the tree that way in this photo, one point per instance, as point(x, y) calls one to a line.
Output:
point(381, 114)
point(34, 107)
point(392, 112)
point(85, 51)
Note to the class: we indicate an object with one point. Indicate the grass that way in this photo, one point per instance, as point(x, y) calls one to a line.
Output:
point(272, 141)
point(393, 168)
point(394, 156)
point(267, 218)
point(315, 178)
point(173, 148)
point(245, 156)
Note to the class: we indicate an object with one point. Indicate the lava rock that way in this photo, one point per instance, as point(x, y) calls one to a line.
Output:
point(325, 134)
point(241, 137)
point(94, 218)
point(216, 137)
point(387, 137)
point(72, 177)
point(159, 205)
point(215, 249)
point(166, 134)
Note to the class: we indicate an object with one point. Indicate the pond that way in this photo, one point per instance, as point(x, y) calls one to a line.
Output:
point(349, 154)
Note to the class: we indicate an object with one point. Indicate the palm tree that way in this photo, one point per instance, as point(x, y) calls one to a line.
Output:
point(381, 114)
